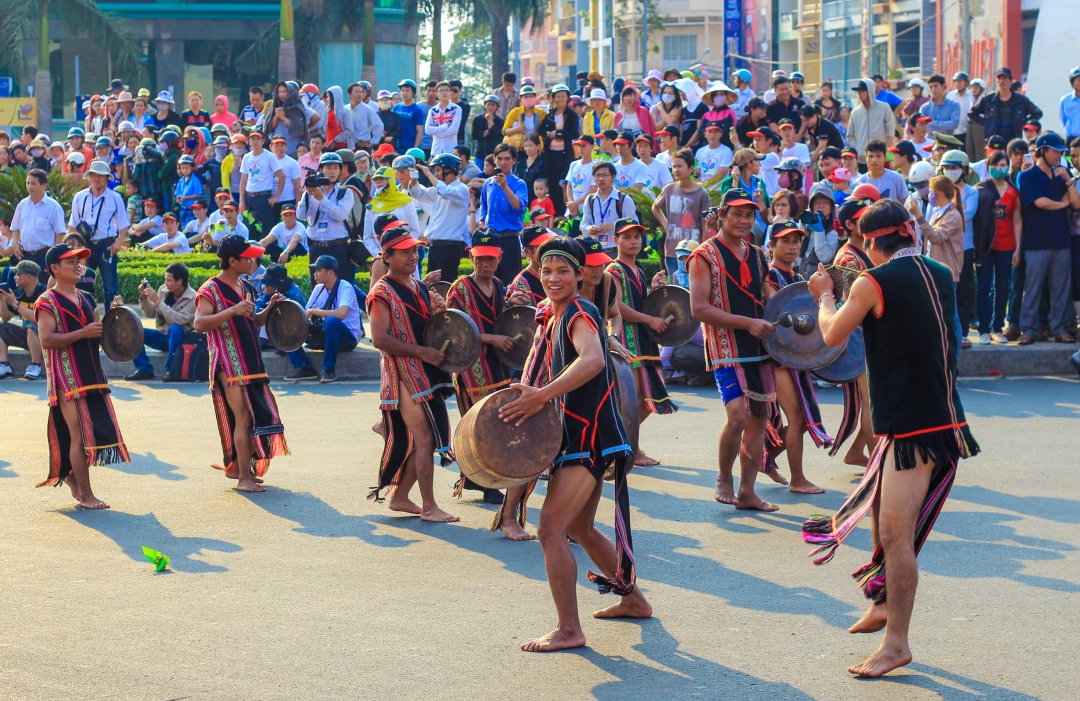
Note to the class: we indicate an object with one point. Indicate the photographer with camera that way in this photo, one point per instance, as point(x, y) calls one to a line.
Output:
point(448, 201)
point(325, 206)
point(19, 302)
point(172, 307)
point(38, 222)
point(100, 216)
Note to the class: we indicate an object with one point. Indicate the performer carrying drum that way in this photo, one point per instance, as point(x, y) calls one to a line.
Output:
point(575, 371)
point(82, 427)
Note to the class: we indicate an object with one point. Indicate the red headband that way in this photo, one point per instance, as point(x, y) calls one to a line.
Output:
point(905, 229)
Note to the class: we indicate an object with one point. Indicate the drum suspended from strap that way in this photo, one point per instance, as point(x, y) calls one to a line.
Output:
point(122, 334)
point(287, 325)
point(458, 337)
point(672, 303)
point(441, 288)
point(797, 342)
point(627, 401)
point(518, 323)
point(850, 364)
point(496, 454)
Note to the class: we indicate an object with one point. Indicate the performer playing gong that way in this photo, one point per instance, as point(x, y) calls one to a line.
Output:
point(794, 389)
point(851, 260)
point(247, 414)
point(480, 295)
point(82, 427)
point(598, 286)
point(575, 355)
point(526, 287)
point(728, 295)
point(906, 306)
point(632, 289)
point(413, 389)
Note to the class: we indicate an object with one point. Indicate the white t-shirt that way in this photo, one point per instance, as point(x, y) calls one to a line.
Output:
point(222, 229)
point(768, 173)
point(164, 238)
point(921, 146)
point(195, 227)
point(800, 151)
point(629, 174)
point(346, 297)
point(260, 172)
point(284, 235)
point(711, 160)
point(657, 174)
point(155, 225)
point(580, 178)
point(291, 168)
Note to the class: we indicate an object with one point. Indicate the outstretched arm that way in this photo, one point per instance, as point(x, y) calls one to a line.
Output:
point(838, 325)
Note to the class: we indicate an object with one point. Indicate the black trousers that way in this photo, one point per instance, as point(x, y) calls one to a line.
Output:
point(446, 256)
point(510, 265)
point(39, 258)
point(338, 250)
point(965, 292)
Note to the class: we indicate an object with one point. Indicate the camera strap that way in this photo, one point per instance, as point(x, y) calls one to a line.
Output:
point(100, 209)
point(318, 211)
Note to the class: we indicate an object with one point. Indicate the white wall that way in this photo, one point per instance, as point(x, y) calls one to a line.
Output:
point(1053, 55)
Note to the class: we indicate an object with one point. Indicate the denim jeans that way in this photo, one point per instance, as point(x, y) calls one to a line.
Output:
point(158, 341)
point(993, 274)
point(337, 339)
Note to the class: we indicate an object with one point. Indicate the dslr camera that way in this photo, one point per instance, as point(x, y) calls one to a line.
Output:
point(316, 180)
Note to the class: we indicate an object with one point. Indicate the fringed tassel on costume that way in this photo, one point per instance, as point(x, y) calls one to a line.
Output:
point(852, 414)
point(774, 443)
point(99, 434)
point(397, 447)
point(625, 574)
point(656, 395)
point(811, 413)
point(522, 507)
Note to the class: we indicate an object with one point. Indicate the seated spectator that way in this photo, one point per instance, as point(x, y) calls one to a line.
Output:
point(228, 224)
point(685, 364)
point(288, 238)
point(149, 226)
point(199, 224)
point(334, 302)
point(19, 302)
point(173, 310)
point(172, 240)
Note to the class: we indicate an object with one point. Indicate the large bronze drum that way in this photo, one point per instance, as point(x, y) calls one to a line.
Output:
point(122, 334)
point(496, 454)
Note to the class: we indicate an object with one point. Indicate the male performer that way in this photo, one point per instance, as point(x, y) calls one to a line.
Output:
point(728, 294)
point(414, 390)
point(480, 295)
point(794, 389)
point(526, 287)
point(632, 290)
point(906, 306)
point(247, 415)
point(575, 355)
point(850, 261)
point(82, 427)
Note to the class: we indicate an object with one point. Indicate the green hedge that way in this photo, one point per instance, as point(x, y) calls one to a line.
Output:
point(135, 266)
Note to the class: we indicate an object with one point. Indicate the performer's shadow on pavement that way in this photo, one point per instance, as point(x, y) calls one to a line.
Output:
point(1050, 508)
point(972, 689)
point(132, 532)
point(149, 464)
point(4, 471)
point(315, 517)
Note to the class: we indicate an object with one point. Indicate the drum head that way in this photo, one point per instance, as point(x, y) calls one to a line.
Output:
point(514, 322)
point(122, 334)
point(461, 331)
point(627, 402)
point(673, 301)
point(850, 364)
point(287, 326)
point(799, 346)
point(441, 288)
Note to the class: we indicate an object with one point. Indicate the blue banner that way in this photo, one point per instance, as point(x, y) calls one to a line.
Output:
point(733, 31)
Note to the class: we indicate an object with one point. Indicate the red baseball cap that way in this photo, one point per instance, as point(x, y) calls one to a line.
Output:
point(485, 242)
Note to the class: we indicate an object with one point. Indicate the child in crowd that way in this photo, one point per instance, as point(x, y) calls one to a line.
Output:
point(187, 190)
point(841, 185)
point(542, 203)
point(134, 202)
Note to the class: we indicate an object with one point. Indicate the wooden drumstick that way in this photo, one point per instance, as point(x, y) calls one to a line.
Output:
point(669, 318)
point(517, 337)
point(445, 345)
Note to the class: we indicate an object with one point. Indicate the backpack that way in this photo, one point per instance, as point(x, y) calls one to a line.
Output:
point(192, 360)
point(590, 200)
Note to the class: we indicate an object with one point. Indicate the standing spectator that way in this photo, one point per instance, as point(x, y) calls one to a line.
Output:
point(943, 112)
point(889, 183)
point(743, 91)
point(944, 232)
point(718, 114)
point(871, 120)
point(531, 167)
point(38, 223)
point(633, 116)
point(821, 133)
point(604, 207)
point(1005, 230)
point(883, 93)
point(680, 208)
point(287, 117)
point(411, 117)
point(507, 95)
point(910, 107)
point(253, 113)
point(1004, 112)
point(667, 112)
point(657, 173)
point(165, 114)
point(629, 171)
point(753, 121)
point(487, 129)
point(524, 120)
point(954, 164)
point(293, 177)
point(598, 118)
point(367, 127)
point(790, 146)
point(714, 158)
point(102, 213)
point(785, 106)
point(455, 96)
point(503, 200)
point(431, 98)
point(325, 208)
point(390, 120)
point(443, 120)
point(194, 115)
point(173, 309)
point(20, 303)
point(221, 114)
point(334, 301)
point(961, 95)
point(827, 105)
point(559, 129)
point(261, 182)
point(448, 226)
point(1046, 192)
point(651, 95)
point(1069, 110)
point(579, 182)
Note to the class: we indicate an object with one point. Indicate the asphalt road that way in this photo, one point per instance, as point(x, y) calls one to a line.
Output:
point(310, 592)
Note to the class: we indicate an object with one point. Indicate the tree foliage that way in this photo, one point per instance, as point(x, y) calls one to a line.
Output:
point(61, 187)
point(469, 58)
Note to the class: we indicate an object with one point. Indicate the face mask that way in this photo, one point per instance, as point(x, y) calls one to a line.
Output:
point(923, 190)
point(238, 150)
point(999, 173)
point(528, 101)
point(953, 174)
point(668, 98)
point(384, 104)
point(783, 180)
point(720, 101)
point(191, 143)
point(221, 152)
point(933, 200)
point(36, 152)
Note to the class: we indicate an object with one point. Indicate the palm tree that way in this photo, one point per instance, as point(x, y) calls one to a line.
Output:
point(17, 22)
point(368, 71)
point(287, 47)
point(499, 13)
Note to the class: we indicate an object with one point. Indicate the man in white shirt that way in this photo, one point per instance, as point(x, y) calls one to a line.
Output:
point(448, 226)
point(228, 224)
point(325, 209)
point(603, 208)
point(172, 240)
point(714, 158)
point(367, 128)
point(767, 143)
point(629, 171)
point(291, 170)
point(288, 238)
point(104, 213)
point(920, 134)
point(789, 147)
point(149, 225)
point(38, 223)
point(657, 174)
point(261, 182)
point(333, 300)
point(442, 122)
point(965, 98)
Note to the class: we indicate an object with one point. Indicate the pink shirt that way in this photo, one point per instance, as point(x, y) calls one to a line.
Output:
point(308, 162)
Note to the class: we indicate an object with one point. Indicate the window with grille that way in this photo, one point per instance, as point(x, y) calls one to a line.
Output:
point(623, 51)
point(680, 47)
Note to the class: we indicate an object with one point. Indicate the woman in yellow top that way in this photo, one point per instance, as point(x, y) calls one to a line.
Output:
point(598, 118)
point(524, 120)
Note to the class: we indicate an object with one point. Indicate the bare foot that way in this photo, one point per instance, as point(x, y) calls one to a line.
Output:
point(405, 505)
point(378, 428)
point(73, 486)
point(514, 531)
point(93, 502)
point(754, 503)
point(437, 515)
point(883, 661)
point(233, 473)
point(555, 640)
point(872, 621)
point(643, 460)
point(804, 486)
point(632, 606)
point(856, 459)
point(775, 476)
point(725, 491)
point(249, 485)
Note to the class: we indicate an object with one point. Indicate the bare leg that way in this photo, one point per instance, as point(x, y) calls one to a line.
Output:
point(864, 439)
point(874, 618)
point(569, 490)
point(902, 495)
point(234, 397)
point(738, 416)
point(80, 470)
point(749, 460)
point(641, 459)
point(787, 395)
point(507, 520)
point(421, 464)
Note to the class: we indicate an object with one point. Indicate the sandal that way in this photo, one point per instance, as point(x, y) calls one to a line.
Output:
point(1065, 338)
point(1025, 340)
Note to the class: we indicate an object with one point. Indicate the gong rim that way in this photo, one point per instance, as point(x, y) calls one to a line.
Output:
point(788, 347)
point(122, 334)
point(441, 288)
point(512, 321)
point(671, 300)
point(458, 356)
point(850, 364)
point(287, 326)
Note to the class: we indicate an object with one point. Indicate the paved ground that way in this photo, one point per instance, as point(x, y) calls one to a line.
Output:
point(311, 592)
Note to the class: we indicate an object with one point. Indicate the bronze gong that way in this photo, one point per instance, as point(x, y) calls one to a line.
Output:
point(287, 325)
point(850, 364)
point(671, 302)
point(797, 342)
point(627, 402)
point(519, 324)
point(441, 288)
point(455, 334)
point(122, 334)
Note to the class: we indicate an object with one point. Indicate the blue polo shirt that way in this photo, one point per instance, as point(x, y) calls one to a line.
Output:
point(410, 116)
point(495, 209)
point(1043, 229)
